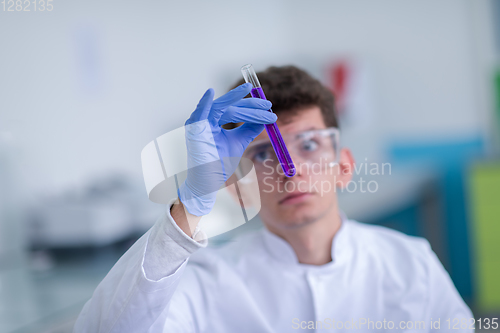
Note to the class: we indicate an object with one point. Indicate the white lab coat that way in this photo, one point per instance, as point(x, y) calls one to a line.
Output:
point(255, 284)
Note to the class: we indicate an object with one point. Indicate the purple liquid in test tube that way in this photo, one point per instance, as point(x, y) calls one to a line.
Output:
point(272, 129)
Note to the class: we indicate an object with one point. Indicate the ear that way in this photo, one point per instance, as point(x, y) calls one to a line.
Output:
point(346, 168)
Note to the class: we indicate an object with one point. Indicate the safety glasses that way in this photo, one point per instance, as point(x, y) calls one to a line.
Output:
point(320, 147)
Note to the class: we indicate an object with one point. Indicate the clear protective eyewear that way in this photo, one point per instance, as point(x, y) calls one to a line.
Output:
point(318, 147)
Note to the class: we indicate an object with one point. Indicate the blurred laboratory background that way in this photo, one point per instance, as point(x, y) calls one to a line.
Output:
point(87, 84)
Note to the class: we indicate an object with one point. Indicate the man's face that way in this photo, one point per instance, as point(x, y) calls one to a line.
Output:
point(307, 196)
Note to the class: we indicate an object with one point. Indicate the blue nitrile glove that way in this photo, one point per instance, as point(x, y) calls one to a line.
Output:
point(213, 152)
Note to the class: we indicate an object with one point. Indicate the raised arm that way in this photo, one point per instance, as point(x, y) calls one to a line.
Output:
point(136, 293)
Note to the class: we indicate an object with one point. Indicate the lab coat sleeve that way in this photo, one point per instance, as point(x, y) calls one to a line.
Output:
point(444, 300)
point(138, 289)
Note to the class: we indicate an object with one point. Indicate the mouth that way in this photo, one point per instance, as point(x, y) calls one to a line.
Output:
point(294, 198)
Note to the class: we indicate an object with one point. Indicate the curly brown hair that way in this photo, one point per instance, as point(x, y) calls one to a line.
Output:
point(291, 90)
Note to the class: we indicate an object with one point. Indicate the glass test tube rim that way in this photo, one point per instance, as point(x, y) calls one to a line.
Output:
point(250, 76)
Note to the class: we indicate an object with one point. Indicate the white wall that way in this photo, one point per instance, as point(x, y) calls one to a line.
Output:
point(85, 87)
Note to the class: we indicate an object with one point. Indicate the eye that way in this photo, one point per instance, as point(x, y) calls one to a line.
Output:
point(261, 155)
point(309, 145)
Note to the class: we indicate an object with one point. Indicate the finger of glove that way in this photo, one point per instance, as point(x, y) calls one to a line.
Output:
point(203, 108)
point(255, 103)
point(248, 132)
point(228, 99)
point(238, 114)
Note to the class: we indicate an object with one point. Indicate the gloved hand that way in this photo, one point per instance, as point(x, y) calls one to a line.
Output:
point(213, 152)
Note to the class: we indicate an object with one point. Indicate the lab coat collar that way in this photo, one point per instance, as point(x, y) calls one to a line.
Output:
point(281, 251)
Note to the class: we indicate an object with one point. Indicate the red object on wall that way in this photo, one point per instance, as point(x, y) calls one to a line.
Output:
point(339, 78)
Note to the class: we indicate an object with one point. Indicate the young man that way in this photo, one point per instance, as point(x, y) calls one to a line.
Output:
point(309, 268)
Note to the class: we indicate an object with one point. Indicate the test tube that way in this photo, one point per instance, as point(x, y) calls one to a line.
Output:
point(272, 129)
